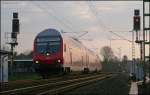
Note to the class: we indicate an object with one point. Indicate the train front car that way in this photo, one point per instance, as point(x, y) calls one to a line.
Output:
point(48, 52)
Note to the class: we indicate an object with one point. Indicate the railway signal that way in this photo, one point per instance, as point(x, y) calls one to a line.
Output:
point(15, 26)
point(137, 23)
point(14, 33)
point(15, 23)
point(136, 19)
point(136, 28)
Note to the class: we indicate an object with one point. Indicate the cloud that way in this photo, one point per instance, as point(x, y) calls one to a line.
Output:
point(25, 20)
point(14, 4)
point(104, 8)
point(33, 19)
point(83, 11)
point(93, 28)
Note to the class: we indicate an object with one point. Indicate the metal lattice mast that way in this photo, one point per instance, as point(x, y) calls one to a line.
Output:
point(133, 52)
point(133, 46)
point(146, 13)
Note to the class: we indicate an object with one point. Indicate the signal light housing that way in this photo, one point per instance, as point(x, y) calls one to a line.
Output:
point(15, 23)
point(136, 12)
point(15, 26)
point(137, 23)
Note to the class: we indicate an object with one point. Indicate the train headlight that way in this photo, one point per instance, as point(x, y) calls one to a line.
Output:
point(59, 61)
point(47, 54)
point(36, 61)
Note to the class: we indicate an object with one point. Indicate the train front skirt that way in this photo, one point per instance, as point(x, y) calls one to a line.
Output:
point(48, 69)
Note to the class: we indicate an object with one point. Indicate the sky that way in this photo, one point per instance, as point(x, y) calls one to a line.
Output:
point(76, 17)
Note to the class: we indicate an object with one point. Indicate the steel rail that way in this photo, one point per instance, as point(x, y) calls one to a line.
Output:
point(20, 84)
point(23, 90)
point(73, 85)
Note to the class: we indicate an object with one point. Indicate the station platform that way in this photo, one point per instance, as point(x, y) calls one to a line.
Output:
point(137, 88)
point(134, 89)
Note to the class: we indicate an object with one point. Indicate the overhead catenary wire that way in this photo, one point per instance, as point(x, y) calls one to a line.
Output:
point(69, 23)
point(101, 23)
point(64, 19)
point(55, 17)
point(120, 36)
point(95, 13)
point(69, 26)
point(58, 19)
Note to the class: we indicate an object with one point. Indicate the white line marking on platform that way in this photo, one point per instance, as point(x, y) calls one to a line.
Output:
point(133, 89)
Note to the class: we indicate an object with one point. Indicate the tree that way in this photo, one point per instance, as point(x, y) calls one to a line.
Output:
point(124, 59)
point(124, 63)
point(115, 59)
point(24, 55)
point(107, 53)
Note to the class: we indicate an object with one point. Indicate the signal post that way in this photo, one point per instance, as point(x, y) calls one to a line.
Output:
point(13, 43)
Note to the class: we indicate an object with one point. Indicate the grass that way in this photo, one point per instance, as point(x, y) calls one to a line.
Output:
point(24, 76)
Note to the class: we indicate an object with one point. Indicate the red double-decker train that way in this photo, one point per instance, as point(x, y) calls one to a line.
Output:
point(55, 52)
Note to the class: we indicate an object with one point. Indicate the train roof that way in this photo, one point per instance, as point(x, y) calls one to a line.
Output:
point(50, 31)
point(54, 32)
point(78, 42)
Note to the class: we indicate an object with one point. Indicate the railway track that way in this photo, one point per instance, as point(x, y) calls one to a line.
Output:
point(27, 83)
point(73, 84)
point(57, 86)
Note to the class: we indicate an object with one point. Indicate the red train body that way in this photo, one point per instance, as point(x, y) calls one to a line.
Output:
point(54, 52)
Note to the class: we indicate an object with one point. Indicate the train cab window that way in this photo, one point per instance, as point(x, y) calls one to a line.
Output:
point(65, 47)
point(48, 44)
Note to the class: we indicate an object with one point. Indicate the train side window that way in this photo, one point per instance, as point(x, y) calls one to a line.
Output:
point(65, 47)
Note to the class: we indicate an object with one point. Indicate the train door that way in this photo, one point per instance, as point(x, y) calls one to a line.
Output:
point(70, 57)
point(86, 69)
point(82, 61)
point(69, 67)
point(87, 61)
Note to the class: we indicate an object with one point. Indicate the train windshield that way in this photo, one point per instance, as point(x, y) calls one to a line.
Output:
point(48, 44)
